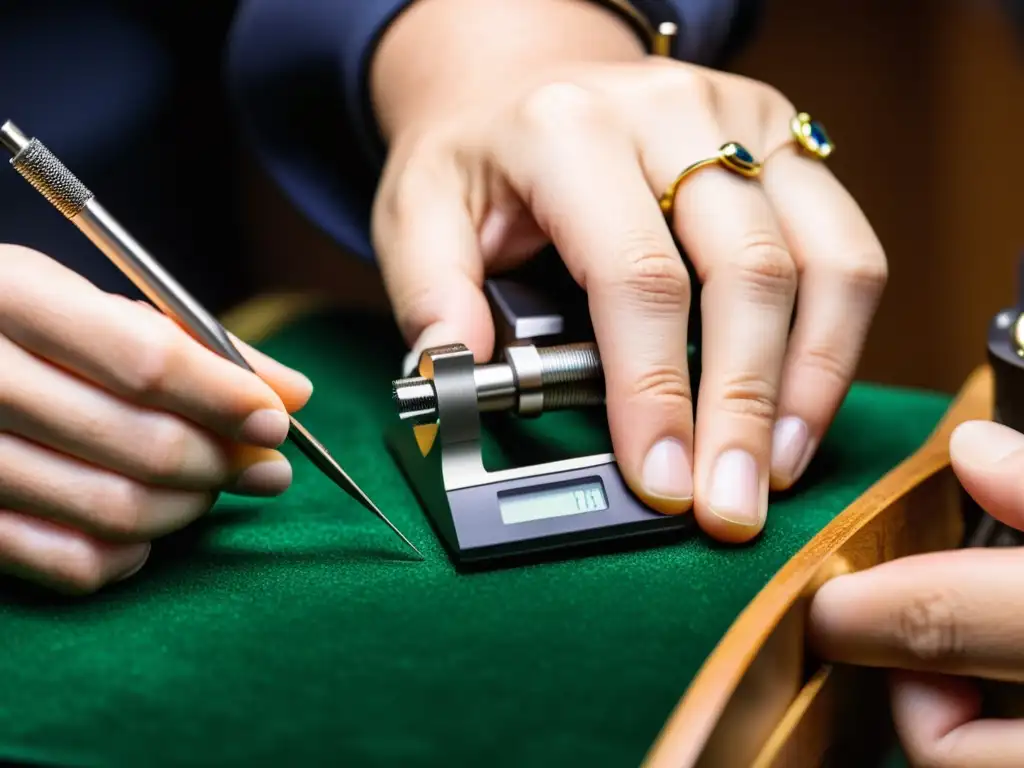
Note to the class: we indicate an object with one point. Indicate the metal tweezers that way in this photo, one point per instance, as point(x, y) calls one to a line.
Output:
point(67, 194)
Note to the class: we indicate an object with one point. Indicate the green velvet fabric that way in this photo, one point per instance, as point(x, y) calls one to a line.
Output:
point(297, 631)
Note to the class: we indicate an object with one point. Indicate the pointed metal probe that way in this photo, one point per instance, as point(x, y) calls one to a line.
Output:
point(67, 194)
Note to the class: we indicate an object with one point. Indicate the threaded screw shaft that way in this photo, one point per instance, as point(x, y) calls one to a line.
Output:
point(571, 377)
point(569, 363)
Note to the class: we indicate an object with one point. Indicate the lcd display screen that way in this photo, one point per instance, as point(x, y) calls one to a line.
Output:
point(553, 501)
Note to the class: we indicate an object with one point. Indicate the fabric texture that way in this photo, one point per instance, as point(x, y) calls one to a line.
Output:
point(298, 71)
point(297, 631)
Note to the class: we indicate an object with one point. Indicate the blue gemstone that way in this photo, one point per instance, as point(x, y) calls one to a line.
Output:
point(743, 155)
point(817, 134)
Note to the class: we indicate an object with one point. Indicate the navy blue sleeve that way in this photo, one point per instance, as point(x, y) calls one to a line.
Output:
point(298, 74)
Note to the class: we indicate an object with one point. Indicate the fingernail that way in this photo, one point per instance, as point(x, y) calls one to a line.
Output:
point(410, 363)
point(432, 336)
point(789, 442)
point(265, 478)
point(667, 471)
point(267, 428)
point(985, 441)
point(137, 567)
point(734, 494)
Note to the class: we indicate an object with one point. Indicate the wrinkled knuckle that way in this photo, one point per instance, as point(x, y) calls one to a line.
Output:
point(94, 428)
point(558, 109)
point(682, 84)
point(153, 359)
point(764, 264)
point(750, 397)
point(164, 452)
point(652, 276)
point(828, 362)
point(665, 384)
point(929, 629)
point(119, 507)
point(866, 276)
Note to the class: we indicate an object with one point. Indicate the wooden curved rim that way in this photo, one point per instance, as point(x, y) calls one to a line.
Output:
point(685, 736)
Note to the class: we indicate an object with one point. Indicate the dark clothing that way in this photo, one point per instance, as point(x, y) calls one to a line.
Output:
point(129, 95)
point(298, 72)
point(132, 97)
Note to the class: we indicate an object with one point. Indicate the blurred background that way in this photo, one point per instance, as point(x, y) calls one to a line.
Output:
point(922, 98)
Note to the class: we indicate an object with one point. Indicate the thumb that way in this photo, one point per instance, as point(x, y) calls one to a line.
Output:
point(429, 253)
point(292, 386)
point(988, 459)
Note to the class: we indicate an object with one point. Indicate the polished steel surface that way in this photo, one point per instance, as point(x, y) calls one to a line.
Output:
point(451, 392)
point(12, 138)
point(533, 380)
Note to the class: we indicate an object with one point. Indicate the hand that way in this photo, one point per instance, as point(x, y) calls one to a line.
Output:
point(943, 617)
point(116, 427)
point(576, 153)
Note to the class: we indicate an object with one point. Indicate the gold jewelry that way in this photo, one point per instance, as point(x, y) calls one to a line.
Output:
point(811, 136)
point(656, 36)
point(732, 156)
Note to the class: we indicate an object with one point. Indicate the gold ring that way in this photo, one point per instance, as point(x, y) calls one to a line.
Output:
point(811, 136)
point(732, 156)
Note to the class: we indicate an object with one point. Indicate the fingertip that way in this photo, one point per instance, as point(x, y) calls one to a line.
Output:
point(780, 484)
point(478, 337)
point(436, 335)
point(257, 471)
point(724, 530)
point(266, 427)
point(988, 459)
point(63, 559)
point(665, 505)
point(732, 501)
point(826, 613)
point(792, 449)
point(980, 443)
point(135, 558)
point(292, 386)
point(666, 477)
point(267, 478)
point(662, 477)
point(295, 393)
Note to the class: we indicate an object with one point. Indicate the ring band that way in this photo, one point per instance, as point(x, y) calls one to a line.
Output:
point(811, 136)
point(731, 155)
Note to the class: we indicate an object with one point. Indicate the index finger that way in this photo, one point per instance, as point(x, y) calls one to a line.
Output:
point(588, 193)
point(955, 612)
point(135, 353)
